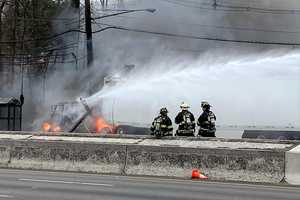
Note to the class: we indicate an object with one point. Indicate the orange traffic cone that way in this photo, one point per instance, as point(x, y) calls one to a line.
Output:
point(195, 173)
point(202, 176)
point(198, 175)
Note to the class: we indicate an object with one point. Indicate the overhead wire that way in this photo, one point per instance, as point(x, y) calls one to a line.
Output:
point(46, 19)
point(109, 26)
point(231, 8)
point(43, 38)
point(53, 37)
point(238, 28)
point(49, 59)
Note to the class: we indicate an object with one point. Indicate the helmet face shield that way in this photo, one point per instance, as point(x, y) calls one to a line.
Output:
point(184, 108)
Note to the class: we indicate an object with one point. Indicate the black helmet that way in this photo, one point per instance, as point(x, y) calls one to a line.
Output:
point(205, 104)
point(163, 111)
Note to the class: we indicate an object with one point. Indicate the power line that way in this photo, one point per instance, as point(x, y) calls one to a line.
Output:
point(231, 8)
point(260, 10)
point(109, 26)
point(46, 19)
point(43, 38)
point(61, 48)
point(225, 27)
point(238, 8)
point(195, 37)
point(48, 60)
point(38, 63)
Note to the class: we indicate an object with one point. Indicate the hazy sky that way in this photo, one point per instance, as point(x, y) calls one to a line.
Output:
point(246, 84)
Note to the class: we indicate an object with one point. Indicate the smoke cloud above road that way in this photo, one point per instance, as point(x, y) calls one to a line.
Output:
point(254, 90)
point(247, 84)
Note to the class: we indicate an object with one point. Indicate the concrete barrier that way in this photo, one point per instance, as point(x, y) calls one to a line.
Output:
point(60, 155)
point(219, 159)
point(292, 166)
point(68, 156)
point(253, 165)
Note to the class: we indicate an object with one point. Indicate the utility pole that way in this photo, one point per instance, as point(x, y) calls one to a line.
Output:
point(215, 4)
point(120, 4)
point(76, 3)
point(88, 29)
point(76, 6)
point(104, 3)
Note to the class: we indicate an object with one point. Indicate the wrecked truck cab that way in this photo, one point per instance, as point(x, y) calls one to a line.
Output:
point(62, 116)
point(65, 115)
point(78, 116)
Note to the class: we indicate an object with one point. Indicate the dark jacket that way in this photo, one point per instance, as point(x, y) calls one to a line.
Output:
point(207, 121)
point(163, 124)
point(185, 120)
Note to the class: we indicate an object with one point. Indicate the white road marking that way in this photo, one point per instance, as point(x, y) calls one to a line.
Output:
point(5, 196)
point(189, 181)
point(65, 182)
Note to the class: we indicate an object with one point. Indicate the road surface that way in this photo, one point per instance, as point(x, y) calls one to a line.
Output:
point(43, 185)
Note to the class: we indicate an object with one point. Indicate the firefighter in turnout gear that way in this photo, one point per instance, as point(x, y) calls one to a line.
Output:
point(162, 125)
point(186, 121)
point(206, 121)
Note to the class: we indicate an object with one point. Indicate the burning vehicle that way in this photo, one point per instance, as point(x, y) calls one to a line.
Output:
point(78, 116)
point(61, 117)
point(67, 117)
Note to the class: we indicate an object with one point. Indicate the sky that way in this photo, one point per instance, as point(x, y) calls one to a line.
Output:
point(247, 84)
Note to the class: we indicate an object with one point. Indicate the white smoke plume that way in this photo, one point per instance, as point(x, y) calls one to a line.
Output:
point(246, 84)
point(253, 90)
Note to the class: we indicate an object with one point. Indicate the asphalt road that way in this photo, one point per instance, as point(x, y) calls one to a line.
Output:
point(42, 185)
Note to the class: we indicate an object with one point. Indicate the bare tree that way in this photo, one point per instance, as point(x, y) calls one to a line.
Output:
point(2, 4)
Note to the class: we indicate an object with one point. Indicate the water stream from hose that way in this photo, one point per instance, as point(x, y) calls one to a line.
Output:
point(253, 90)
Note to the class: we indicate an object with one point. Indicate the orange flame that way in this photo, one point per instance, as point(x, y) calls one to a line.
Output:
point(46, 126)
point(101, 125)
point(56, 129)
point(50, 127)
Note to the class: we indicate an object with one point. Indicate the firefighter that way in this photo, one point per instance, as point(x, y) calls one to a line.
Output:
point(162, 125)
point(186, 121)
point(207, 121)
